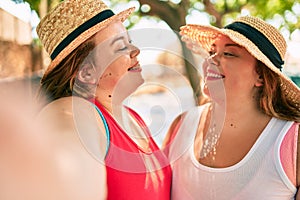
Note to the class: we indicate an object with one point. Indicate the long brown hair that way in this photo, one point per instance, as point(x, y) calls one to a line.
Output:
point(271, 97)
point(60, 81)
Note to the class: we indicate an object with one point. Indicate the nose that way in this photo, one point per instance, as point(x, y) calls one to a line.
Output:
point(134, 51)
point(214, 59)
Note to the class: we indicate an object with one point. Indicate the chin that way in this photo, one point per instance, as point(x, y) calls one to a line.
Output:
point(215, 92)
point(135, 86)
point(126, 88)
point(136, 80)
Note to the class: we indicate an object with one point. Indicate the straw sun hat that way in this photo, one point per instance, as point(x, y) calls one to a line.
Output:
point(71, 23)
point(260, 39)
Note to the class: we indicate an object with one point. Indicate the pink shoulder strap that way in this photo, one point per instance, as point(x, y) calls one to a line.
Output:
point(288, 152)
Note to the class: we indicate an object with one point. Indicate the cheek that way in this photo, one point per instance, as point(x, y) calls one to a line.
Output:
point(115, 71)
point(109, 78)
point(109, 62)
point(119, 66)
point(245, 80)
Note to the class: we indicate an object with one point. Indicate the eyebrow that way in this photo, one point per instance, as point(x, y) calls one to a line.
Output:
point(116, 39)
point(233, 45)
point(229, 45)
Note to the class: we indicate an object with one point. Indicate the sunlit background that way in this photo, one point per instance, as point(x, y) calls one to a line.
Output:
point(170, 85)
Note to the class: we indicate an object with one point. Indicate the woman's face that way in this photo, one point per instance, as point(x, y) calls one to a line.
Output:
point(116, 57)
point(230, 68)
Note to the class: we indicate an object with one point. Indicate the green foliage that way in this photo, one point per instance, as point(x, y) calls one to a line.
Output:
point(34, 4)
point(267, 9)
point(289, 10)
point(18, 1)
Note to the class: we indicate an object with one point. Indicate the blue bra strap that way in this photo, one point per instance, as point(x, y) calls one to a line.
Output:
point(106, 128)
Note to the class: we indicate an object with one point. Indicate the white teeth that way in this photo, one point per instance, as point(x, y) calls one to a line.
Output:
point(209, 74)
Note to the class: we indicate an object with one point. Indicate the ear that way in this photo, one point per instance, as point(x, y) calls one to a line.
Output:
point(87, 74)
point(259, 82)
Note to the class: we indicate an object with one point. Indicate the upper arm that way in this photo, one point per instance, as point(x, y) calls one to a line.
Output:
point(51, 152)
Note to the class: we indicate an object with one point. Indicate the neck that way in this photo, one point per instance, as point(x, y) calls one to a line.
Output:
point(240, 108)
point(114, 108)
point(238, 111)
point(109, 101)
point(111, 107)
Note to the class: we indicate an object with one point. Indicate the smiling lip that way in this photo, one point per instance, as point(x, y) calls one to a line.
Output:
point(135, 68)
point(213, 75)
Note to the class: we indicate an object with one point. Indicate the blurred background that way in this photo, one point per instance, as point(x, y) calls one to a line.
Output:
point(172, 84)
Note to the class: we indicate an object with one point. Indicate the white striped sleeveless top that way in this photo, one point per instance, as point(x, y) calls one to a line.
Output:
point(258, 176)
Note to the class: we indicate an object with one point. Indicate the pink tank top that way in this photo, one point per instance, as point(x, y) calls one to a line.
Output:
point(131, 172)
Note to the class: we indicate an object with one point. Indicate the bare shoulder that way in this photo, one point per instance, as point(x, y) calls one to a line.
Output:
point(77, 149)
point(42, 155)
point(74, 127)
point(64, 110)
point(57, 114)
point(69, 114)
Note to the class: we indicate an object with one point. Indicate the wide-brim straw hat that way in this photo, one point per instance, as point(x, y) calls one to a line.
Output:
point(259, 38)
point(71, 23)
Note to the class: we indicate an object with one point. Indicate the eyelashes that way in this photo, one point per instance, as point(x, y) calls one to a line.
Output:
point(122, 45)
point(227, 54)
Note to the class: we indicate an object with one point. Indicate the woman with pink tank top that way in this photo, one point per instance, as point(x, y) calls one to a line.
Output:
point(242, 144)
point(94, 67)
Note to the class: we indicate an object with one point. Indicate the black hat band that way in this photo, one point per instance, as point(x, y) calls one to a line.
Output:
point(83, 27)
point(260, 40)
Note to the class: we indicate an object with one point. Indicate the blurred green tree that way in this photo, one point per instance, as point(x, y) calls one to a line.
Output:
point(220, 12)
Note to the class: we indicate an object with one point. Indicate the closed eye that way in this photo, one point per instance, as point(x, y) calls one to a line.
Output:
point(119, 44)
point(123, 48)
point(228, 54)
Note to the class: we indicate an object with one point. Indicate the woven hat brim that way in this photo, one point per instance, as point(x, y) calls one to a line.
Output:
point(122, 16)
point(202, 37)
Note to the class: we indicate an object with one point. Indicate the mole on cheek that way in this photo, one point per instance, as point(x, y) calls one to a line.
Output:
point(106, 75)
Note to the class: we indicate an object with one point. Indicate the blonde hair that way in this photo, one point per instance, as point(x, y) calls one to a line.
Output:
point(60, 81)
point(271, 97)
